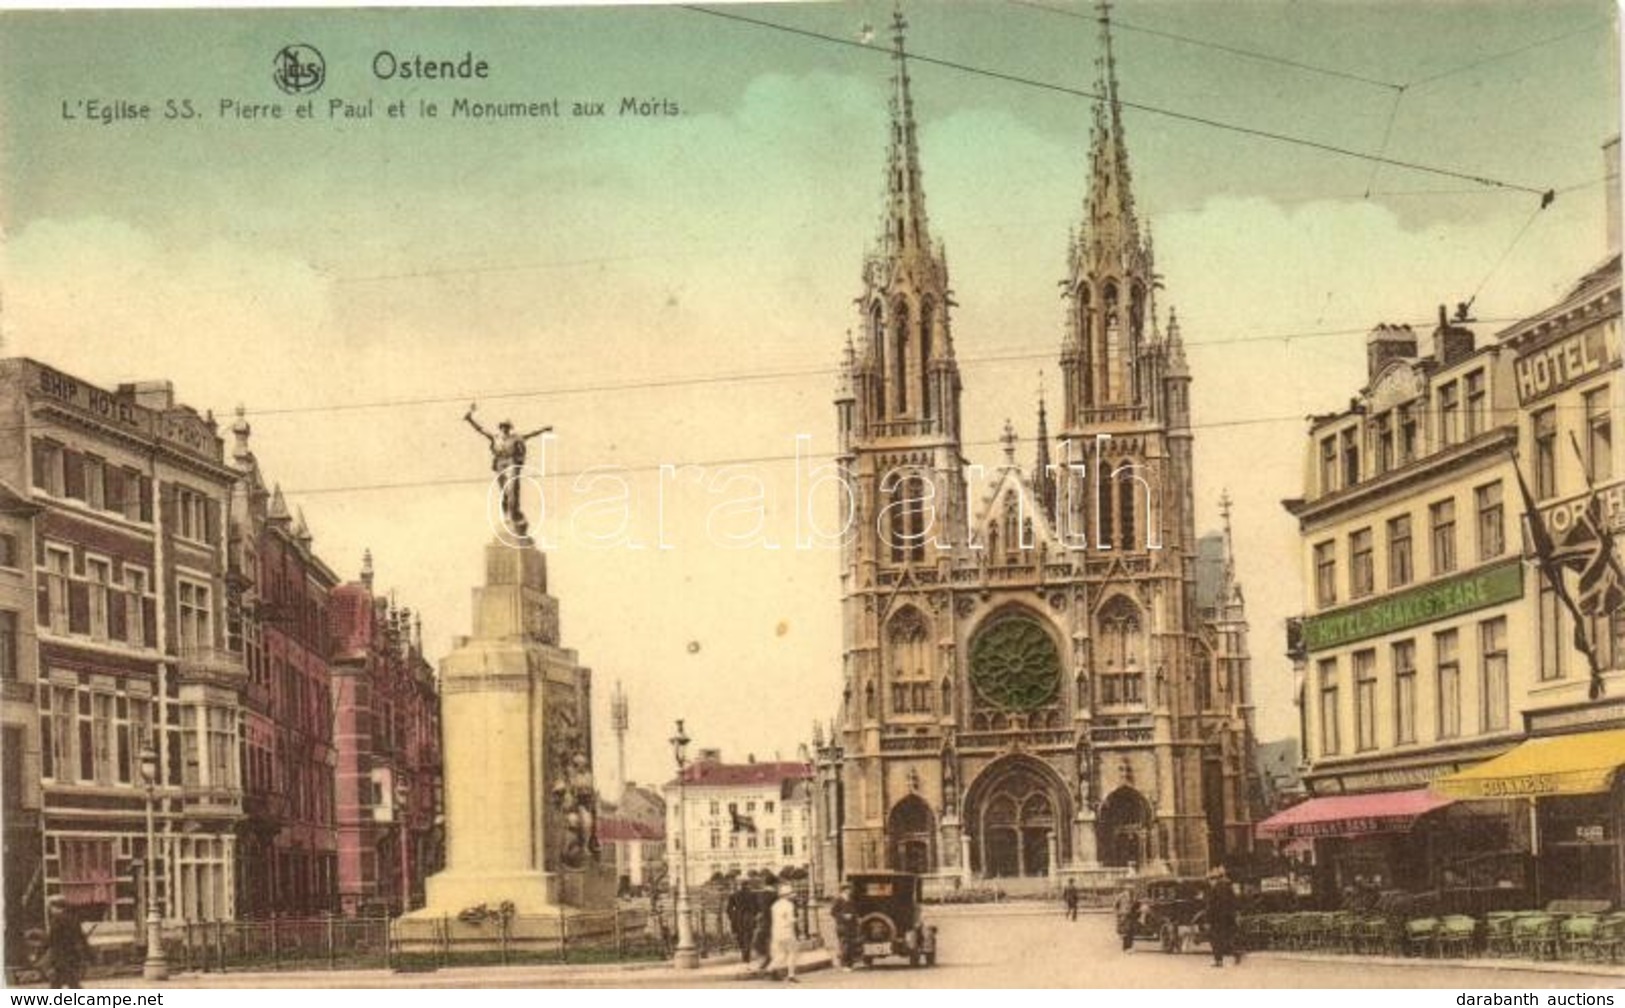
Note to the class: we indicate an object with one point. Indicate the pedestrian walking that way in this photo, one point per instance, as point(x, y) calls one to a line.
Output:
point(1126, 909)
point(1069, 896)
point(742, 918)
point(784, 935)
point(66, 950)
point(762, 921)
point(846, 926)
point(1221, 917)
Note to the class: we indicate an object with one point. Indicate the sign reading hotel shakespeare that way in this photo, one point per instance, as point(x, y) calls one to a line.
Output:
point(1451, 597)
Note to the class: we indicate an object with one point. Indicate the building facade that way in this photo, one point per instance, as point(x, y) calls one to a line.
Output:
point(739, 818)
point(277, 621)
point(389, 786)
point(20, 808)
point(128, 562)
point(1457, 735)
point(1030, 685)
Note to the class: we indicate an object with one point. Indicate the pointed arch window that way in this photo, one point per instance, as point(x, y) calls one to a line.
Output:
point(1086, 340)
point(909, 644)
point(1012, 524)
point(1113, 351)
point(927, 323)
point(877, 340)
point(1122, 680)
point(1124, 488)
point(900, 352)
point(907, 511)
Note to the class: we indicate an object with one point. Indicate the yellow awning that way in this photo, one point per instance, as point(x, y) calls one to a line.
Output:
point(1560, 765)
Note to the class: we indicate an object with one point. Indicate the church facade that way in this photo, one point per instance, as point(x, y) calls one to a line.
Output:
point(1031, 685)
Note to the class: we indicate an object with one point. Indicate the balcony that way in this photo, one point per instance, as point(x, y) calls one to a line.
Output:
point(211, 665)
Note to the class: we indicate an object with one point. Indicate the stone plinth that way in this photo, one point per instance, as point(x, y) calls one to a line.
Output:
point(520, 803)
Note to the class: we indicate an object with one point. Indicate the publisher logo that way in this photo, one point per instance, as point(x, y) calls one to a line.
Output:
point(299, 69)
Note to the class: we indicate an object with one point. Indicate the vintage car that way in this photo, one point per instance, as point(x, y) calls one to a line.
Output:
point(1170, 912)
point(887, 905)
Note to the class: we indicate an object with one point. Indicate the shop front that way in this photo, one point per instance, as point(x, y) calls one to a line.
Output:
point(1378, 841)
point(1573, 798)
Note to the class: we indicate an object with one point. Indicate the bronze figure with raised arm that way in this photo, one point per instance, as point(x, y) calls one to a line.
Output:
point(508, 462)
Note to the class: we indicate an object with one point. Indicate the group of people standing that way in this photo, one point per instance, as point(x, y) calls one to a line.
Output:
point(762, 915)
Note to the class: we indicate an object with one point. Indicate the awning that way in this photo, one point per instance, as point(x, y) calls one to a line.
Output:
point(1351, 815)
point(1577, 764)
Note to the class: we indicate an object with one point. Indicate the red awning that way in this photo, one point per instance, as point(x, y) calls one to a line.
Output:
point(1351, 815)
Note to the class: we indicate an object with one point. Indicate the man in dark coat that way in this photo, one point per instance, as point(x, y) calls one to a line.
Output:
point(66, 949)
point(742, 918)
point(1221, 917)
point(846, 926)
point(1069, 896)
point(762, 941)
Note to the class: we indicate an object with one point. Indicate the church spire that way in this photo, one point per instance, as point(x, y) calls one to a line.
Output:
point(904, 227)
point(1043, 475)
point(1109, 213)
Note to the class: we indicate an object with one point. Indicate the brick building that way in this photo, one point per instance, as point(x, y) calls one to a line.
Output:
point(127, 557)
point(277, 623)
point(388, 785)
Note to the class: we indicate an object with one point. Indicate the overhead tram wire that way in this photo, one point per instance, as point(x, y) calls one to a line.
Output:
point(825, 371)
point(1207, 44)
point(1011, 78)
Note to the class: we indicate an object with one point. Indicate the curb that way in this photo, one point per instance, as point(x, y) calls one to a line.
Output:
point(1493, 965)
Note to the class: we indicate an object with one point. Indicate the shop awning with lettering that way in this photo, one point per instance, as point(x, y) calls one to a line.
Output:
point(1351, 815)
point(1583, 763)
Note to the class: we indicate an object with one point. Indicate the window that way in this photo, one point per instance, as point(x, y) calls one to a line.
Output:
point(1492, 637)
point(1556, 627)
point(1326, 573)
point(1449, 415)
point(95, 482)
point(189, 520)
point(87, 873)
point(1491, 521)
point(1328, 464)
point(1351, 458)
point(1365, 699)
point(768, 840)
point(1400, 570)
point(1382, 430)
point(1599, 436)
point(716, 808)
point(139, 615)
point(8, 645)
point(221, 747)
point(789, 846)
point(1442, 516)
point(10, 556)
point(1407, 433)
point(58, 565)
point(100, 575)
point(49, 470)
point(1449, 699)
point(767, 807)
point(1477, 418)
point(1404, 692)
point(716, 839)
point(1544, 425)
point(1328, 707)
point(907, 530)
point(194, 624)
point(1362, 569)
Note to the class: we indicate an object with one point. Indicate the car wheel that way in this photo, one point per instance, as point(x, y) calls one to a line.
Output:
point(1169, 938)
point(914, 959)
point(931, 958)
point(868, 961)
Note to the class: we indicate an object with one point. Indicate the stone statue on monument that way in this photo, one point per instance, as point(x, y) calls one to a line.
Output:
point(578, 799)
point(508, 462)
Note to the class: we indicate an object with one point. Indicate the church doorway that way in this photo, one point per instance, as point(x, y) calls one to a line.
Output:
point(911, 836)
point(1123, 830)
point(1015, 808)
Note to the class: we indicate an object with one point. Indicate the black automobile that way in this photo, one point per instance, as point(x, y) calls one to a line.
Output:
point(887, 905)
point(1171, 912)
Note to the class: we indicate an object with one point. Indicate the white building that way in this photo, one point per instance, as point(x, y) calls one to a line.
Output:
point(739, 817)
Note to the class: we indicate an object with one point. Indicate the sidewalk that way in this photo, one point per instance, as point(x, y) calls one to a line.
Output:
point(1477, 962)
point(716, 970)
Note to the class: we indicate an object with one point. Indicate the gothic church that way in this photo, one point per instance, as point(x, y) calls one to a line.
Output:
point(1032, 687)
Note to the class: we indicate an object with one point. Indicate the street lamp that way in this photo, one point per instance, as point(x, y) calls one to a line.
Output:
point(402, 795)
point(156, 967)
point(687, 956)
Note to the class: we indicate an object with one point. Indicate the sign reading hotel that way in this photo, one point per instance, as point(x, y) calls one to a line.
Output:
point(1567, 362)
point(88, 400)
point(1442, 600)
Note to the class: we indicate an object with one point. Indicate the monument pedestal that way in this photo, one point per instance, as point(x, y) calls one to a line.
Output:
point(521, 808)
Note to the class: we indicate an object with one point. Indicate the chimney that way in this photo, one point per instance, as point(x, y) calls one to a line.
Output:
point(1387, 343)
point(154, 395)
point(1451, 342)
point(1610, 160)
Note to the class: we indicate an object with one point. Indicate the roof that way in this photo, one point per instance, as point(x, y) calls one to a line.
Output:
point(709, 774)
point(614, 827)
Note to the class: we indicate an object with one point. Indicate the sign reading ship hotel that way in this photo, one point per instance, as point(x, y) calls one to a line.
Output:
point(1451, 597)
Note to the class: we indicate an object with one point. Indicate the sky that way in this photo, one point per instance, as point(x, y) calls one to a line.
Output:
point(676, 288)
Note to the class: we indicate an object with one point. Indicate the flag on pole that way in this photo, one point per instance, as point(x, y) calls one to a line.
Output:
point(1553, 559)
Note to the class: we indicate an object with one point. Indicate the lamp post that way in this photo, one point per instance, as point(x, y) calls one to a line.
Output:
point(687, 956)
point(156, 966)
point(402, 795)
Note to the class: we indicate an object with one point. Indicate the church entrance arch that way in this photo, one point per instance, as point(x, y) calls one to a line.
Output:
point(1013, 809)
point(1123, 829)
point(911, 836)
